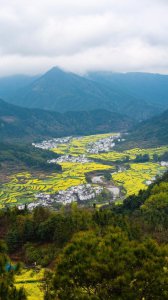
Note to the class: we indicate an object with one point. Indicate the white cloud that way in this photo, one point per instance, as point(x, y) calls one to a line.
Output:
point(117, 35)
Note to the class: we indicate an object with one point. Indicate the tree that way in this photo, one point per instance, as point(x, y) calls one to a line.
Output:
point(7, 289)
point(109, 266)
point(155, 209)
point(107, 176)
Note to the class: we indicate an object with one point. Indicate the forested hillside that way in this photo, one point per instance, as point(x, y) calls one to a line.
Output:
point(151, 132)
point(33, 124)
point(15, 158)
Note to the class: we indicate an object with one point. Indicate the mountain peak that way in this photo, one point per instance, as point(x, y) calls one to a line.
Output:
point(55, 71)
point(62, 91)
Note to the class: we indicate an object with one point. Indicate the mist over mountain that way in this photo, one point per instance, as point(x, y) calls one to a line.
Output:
point(33, 124)
point(11, 84)
point(62, 91)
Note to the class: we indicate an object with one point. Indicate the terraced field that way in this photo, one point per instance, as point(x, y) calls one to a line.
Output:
point(22, 187)
point(78, 146)
point(137, 177)
point(114, 155)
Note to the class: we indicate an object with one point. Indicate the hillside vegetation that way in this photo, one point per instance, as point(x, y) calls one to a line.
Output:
point(15, 158)
point(151, 132)
point(32, 124)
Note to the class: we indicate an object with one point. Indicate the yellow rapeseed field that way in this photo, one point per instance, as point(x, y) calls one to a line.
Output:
point(22, 187)
point(134, 179)
point(32, 281)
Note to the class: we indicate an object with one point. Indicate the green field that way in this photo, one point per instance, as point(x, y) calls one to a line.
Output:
point(21, 187)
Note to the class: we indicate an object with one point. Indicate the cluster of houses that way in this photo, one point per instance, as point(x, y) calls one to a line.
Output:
point(104, 145)
point(164, 163)
point(83, 192)
point(148, 182)
point(50, 144)
point(69, 158)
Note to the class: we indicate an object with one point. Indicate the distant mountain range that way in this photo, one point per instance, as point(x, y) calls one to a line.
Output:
point(137, 95)
point(152, 88)
point(17, 123)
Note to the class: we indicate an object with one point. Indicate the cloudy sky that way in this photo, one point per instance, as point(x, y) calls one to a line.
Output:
point(83, 35)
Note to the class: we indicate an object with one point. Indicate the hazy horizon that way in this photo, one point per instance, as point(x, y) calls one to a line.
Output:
point(35, 74)
point(91, 35)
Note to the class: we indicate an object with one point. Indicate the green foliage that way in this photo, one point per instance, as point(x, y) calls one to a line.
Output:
point(26, 156)
point(107, 176)
point(155, 207)
point(142, 158)
point(7, 288)
point(13, 240)
point(40, 255)
point(110, 266)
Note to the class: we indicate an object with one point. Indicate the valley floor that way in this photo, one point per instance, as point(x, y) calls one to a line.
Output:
point(90, 168)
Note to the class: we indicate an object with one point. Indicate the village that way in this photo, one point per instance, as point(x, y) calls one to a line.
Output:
point(80, 193)
point(104, 145)
point(53, 143)
point(101, 145)
point(69, 158)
